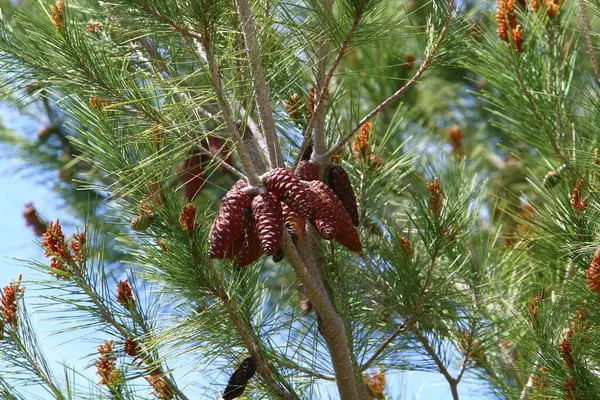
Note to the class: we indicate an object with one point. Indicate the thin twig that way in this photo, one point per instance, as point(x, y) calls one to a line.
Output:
point(588, 38)
point(222, 162)
point(438, 362)
point(424, 66)
point(323, 92)
point(260, 86)
point(400, 329)
point(309, 372)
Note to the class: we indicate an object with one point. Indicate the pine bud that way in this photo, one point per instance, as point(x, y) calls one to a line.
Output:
point(307, 171)
point(435, 197)
point(288, 188)
point(130, 347)
point(238, 381)
point(125, 294)
point(506, 18)
point(45, 132)
point(142, 222)
point(269, 221)
point(593, 273)
point(188, 217)
point(339, 182)
point(324, 212)
point(578, 202)
point(229, 222)
point(57, 17)
point(294, 223)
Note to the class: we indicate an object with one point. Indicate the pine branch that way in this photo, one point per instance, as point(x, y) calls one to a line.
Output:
point(181, 29)
point(157, 59)
point(588, 38)
point(317, 113)
point(331, 326)
point(215, 76)
point(424, 66)
point(259, 83)
point(402, 328)
point(251, 342)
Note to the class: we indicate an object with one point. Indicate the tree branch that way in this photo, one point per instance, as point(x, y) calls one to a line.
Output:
point(331, 326)
point(588, 38)
point(224, 106)
point(156, 60)
point(319, 111)
point(323, 92)
point(260, 86)
point(424, 66)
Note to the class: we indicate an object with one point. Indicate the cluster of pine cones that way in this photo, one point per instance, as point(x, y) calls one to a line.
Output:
point(247, 227)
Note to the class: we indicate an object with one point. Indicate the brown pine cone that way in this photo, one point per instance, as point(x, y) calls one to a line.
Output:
point(339, 182)
point(324, 212)
point(250, 250)
point(191, 174)
point(294, 223)
point(346, 234)
point(229, 222)
point(288, 188)
point(349, 238)
point(307, 171)
point(269, 222)
point(238, 381)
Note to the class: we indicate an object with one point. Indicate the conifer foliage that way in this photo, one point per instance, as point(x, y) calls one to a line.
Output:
point(300, 200)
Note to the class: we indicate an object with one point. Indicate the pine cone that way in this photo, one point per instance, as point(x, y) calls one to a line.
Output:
point(250, 250)
point(142, 222)
point(294, 223)
point(191, 174)
point(288, 188)
point(239, 379)
point(269, 222)
point(346, 235)
point(339, 182)
point(240, 184)
point(229, 222)
point(307, 171)
point(324, 211)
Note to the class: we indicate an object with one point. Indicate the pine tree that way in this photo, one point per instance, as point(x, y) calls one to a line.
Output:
point(301, 199)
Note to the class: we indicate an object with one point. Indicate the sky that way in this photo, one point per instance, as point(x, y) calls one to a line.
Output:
point(18, 244)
